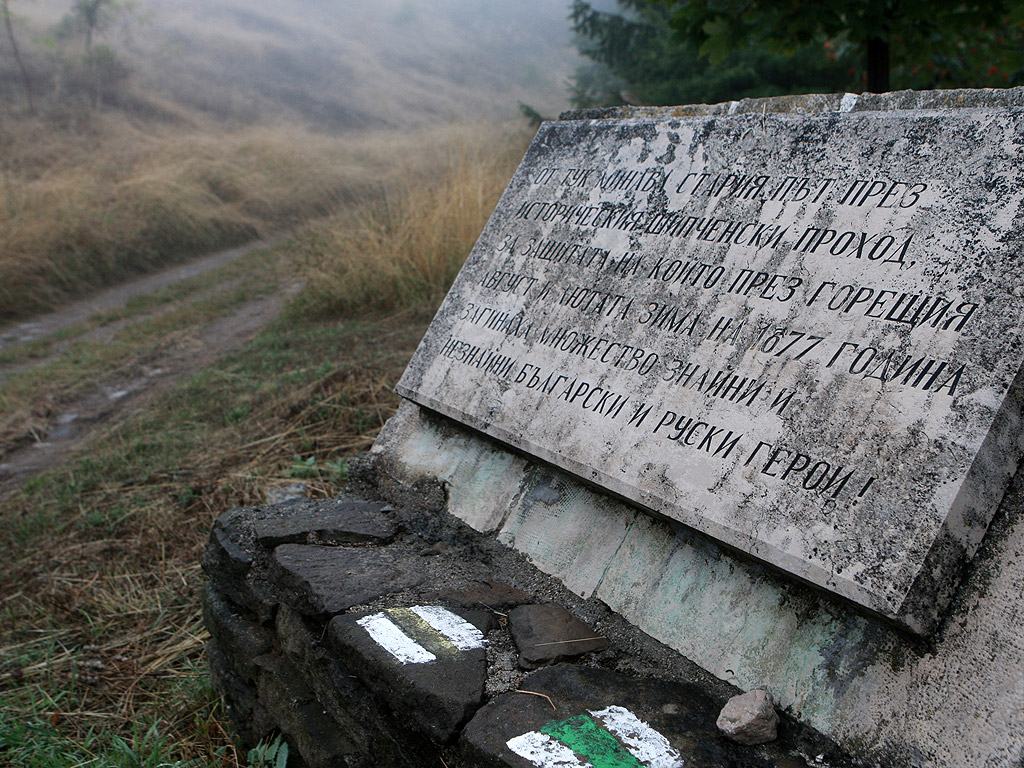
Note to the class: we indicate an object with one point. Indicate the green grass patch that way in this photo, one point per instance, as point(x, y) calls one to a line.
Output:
point(33, 734)
point(37, 348)
point(100, 556)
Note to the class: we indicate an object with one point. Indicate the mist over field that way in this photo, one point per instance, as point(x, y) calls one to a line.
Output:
point(138, 133)
point(335, 64)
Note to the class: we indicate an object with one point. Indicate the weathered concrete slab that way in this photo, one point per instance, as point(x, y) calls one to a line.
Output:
point(539, 528)
point(596, 717)
point(470, 478)
point(798, 335)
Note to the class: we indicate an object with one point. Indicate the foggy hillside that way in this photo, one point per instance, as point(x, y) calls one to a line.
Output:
point(338, 63)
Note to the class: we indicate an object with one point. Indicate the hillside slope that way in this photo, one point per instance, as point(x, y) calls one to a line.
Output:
point(331, 64)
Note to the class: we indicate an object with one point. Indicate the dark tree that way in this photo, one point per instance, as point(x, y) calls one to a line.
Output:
point(92, 15)
point(637, 57)
point(914, 43)
point(5, 8)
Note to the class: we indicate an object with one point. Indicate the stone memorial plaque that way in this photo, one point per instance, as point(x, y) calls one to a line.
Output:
point(799, 335)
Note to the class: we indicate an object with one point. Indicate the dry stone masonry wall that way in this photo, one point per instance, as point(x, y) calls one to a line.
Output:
point(369, 636)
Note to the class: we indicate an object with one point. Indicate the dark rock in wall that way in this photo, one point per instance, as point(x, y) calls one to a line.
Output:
point(299, 714)
point(341, 520)
point(241, 639)
point(548, 633)
point(326, 580)
point(437, 684)
point(250, 720)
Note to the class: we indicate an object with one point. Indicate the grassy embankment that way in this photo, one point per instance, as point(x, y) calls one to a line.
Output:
point(83, 209)
point(100, 631)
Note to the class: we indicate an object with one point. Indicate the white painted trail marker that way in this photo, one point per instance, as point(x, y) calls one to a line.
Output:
point(457, 630)
point(647, 745)
point(610, 738)
point(542, 750)
point(393, 640)
point(429, 625)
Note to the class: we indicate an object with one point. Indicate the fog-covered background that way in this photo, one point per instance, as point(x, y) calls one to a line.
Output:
point(337, 64)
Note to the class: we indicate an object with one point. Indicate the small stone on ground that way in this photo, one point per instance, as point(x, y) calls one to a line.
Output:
point(548, 633)
point(750, 718)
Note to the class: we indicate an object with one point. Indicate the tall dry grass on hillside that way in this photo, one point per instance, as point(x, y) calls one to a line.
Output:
point(404, 249)
point(82, 210)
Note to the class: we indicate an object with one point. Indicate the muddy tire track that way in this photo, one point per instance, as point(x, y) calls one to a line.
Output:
point(130, 388)
point(110, 299)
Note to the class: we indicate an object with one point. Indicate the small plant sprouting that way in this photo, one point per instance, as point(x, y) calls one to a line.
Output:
point(303, 469)
point(269, 754)
point(307, 469)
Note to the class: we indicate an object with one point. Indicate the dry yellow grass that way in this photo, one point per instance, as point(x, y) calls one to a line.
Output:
point(405, 249)
point(82, 210)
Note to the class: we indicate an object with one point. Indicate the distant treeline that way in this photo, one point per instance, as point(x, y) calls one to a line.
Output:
point(661, 52)
point(66, 64)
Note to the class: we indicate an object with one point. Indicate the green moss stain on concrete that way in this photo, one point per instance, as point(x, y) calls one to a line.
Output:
point(478, 476)
point(733, 617)
point(553, 523)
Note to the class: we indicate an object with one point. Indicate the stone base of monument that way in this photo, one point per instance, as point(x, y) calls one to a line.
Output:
point(750, 374)
point(893, 699)
point(372, 635)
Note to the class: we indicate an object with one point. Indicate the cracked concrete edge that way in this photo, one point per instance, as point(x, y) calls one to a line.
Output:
point(854, 678)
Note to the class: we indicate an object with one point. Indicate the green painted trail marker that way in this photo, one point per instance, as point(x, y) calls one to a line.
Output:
point(610, 738)
point(586, 738)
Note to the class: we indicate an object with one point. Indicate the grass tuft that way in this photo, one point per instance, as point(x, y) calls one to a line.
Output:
point(405, 249)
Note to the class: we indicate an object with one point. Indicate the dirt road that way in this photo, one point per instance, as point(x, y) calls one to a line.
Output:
point(142, 361)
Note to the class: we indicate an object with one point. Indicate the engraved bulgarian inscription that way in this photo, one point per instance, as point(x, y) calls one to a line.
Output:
point(794, 334)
